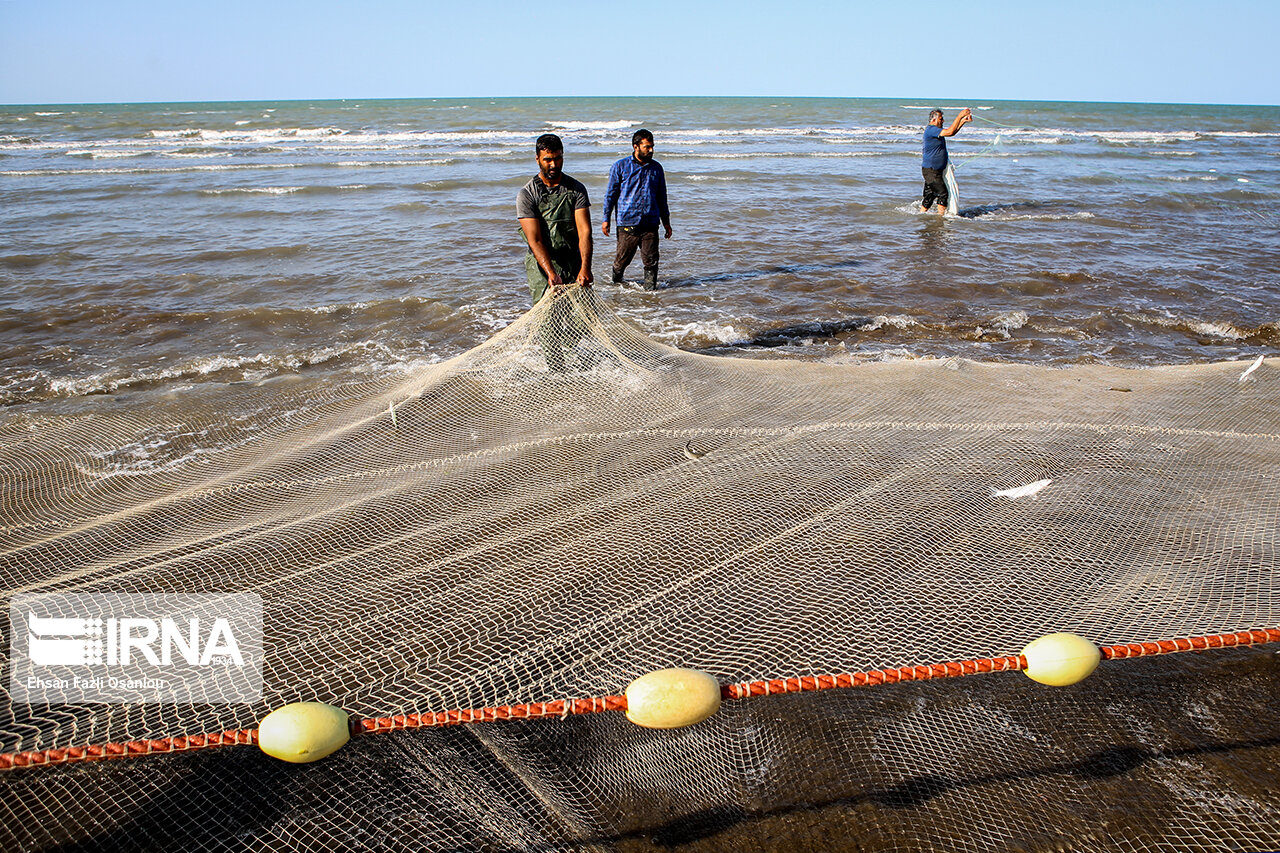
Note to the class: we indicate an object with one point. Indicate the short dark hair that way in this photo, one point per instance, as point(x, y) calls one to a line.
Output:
point(548, 142)
point(933, 113)
point(641, 135)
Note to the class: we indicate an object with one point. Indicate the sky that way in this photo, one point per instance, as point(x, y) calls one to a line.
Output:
point(73, 51)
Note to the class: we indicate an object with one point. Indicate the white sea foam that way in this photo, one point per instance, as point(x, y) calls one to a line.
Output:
point(1010, 216)
point(248, 135)
point(399, 366)
point(893, 133)
point(1003, 325)
point(227, 167)
point(98, 383)
point(896, 321)
point(364, 164)
point(1010, 320)
point(104, 155)
point(333, 309)
point(867, 355)
point(195, 155)
point(744, 155)
point(144, 170)
point(749, 132)
point(1221, 329)
point(1241, 134)
point(603, 133)
point(591, 125)
point(702, 329)
point(253, 191)
point(248, 367)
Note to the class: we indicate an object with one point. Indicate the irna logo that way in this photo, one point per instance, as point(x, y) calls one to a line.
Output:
point(59, 641)
point(136, 647)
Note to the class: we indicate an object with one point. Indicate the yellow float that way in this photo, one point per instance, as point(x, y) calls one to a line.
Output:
point(672, 698)
point(1060, 659)
point(303, 732)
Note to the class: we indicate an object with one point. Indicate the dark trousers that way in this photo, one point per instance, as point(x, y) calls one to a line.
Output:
point(630, 238)
point(935, 188)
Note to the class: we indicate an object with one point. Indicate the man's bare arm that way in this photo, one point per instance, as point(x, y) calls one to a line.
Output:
point(961, 120)
point(582, 221)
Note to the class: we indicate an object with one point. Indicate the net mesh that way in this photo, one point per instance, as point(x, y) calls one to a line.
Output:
point(489, 531)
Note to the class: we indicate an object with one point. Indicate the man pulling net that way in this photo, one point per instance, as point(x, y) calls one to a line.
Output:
point(935, 165)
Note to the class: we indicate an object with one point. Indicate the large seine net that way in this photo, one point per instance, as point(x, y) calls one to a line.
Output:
point(488, 532)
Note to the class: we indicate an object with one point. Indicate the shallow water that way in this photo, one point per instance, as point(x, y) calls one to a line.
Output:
point(170, 246)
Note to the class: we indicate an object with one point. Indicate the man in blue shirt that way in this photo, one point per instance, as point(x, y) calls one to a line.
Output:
point(638, 189)
point(935, 158)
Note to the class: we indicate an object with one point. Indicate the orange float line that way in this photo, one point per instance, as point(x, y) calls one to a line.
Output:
point(809, 683)
point(128, 749)
point(596, 704)
point(527, 711)
point(1191, 644)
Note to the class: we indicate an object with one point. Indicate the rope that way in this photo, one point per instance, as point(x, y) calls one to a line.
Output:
point(531, 710)
point(962, 160)
point(805, 684)
point(998, 124)
point(598, 704)
point(128, 749)
point(1190, 644)
point(981, 153)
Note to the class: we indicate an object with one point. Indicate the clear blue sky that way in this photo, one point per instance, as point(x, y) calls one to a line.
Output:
point(74, 51)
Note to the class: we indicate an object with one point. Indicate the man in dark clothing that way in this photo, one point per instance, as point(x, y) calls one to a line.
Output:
point(934, 162)
point(638, 188)
point(555, 218)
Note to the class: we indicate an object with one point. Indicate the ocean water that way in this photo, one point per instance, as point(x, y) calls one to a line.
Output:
point(167, 247)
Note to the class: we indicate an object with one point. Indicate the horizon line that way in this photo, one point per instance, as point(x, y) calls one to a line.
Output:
point(617, 97)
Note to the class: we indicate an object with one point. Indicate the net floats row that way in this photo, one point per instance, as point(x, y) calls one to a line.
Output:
point(674, 698)
point(308, 731)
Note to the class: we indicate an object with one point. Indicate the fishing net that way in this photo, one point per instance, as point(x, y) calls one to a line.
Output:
point(490, 533)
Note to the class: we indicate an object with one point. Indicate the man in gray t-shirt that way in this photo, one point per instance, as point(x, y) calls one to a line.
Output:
point(555, 217)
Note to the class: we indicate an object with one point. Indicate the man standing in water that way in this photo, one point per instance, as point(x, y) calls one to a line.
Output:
point(638, 188)
point(555, 218)
point(935, 160)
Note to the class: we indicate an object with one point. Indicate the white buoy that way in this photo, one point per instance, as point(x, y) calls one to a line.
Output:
point(672, 698)
point(303, 732)
point(1060, 659)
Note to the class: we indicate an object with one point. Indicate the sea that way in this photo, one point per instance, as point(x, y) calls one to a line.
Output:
point(178, 247)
